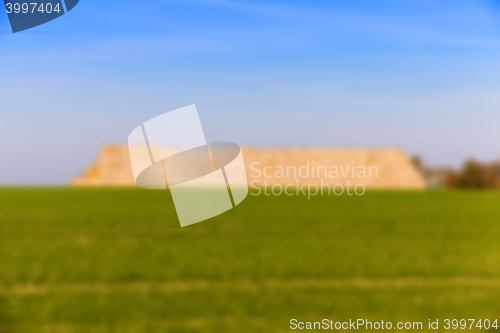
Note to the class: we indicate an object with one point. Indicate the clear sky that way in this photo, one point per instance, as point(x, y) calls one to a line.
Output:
point(423, 75)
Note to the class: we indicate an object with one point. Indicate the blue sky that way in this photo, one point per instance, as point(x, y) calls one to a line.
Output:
point(420, 75)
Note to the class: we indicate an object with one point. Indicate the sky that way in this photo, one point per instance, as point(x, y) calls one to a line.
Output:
point(419, 75)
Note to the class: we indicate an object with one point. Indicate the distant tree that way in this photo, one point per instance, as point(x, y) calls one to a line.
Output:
point(470, 176)
point(451, 179)
point(489, 176)
point(417, 162)
point(476, 175)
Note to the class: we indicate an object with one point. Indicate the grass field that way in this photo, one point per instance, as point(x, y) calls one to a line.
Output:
point(117, 261)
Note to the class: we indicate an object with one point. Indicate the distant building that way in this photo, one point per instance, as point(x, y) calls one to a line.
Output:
point(441, 177)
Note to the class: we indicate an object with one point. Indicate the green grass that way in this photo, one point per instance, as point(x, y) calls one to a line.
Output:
point(117, 261)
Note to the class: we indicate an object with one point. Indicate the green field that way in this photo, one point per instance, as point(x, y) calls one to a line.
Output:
point(117, 261)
